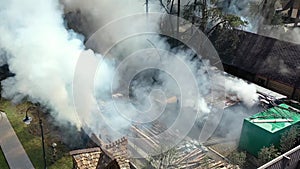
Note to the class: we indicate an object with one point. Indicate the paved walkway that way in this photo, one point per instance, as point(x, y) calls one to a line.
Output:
point(12, 148)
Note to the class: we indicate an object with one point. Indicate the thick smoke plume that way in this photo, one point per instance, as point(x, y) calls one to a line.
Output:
point(43, 55)
point(242, 90)
point(3, 59)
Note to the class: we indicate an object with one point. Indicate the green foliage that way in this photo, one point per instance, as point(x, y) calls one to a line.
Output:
point(3, 163)
point(217, 25)
point(32, 141)
point(210, 17)
point(234, 21)
point(226, 41)
point(267, 154)
point(289, 139)
point(64, 162)
point(238, 158)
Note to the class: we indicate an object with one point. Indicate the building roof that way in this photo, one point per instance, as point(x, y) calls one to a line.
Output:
point(278, 60)
point(86, 158)
point(280, 112)
point(115, 153)
point(119, 152)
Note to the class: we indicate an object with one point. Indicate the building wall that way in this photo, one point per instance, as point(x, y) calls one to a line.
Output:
point(276, 86)
point(280, 87)
point(260, 80)
point(286, 89)
point(239, 72)
point(297, 95)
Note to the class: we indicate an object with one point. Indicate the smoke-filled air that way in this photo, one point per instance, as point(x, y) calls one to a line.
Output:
point(42, 51)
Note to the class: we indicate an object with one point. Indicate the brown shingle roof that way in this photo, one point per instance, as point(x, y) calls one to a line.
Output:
point(91, 158)
point(86, 158)
point(118, 150)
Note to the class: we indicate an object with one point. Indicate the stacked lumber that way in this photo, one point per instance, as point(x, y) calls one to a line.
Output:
point(189, 155)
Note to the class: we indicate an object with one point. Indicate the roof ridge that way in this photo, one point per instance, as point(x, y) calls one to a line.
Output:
point(87, 150)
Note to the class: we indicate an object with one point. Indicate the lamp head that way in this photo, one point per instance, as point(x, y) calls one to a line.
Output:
point(27, 120)
point(54, 145)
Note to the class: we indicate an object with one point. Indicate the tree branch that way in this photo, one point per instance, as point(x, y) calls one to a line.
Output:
point(214, 27)
point(163, 5)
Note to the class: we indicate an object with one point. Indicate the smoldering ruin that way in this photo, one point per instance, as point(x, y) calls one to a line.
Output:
point(41, 52)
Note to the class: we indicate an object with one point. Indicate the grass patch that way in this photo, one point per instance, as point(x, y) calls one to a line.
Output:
point(3, 162)
point(32, 143)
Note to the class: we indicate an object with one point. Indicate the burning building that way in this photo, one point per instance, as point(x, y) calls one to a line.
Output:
point(110, 156)
point(53, 77)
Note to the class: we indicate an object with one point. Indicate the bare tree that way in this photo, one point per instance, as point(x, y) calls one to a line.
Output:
point(206, 14)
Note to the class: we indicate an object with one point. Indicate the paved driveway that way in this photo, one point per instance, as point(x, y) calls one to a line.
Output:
point(12, 148)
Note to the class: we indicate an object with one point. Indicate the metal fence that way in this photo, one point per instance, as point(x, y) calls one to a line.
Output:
point(288, 160)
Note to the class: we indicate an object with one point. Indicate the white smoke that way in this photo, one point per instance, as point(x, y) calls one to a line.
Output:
point(42, 52)
point(284, 33)
point(3, 57)
point(96, 13)
point(244, 91)
point(43, 55)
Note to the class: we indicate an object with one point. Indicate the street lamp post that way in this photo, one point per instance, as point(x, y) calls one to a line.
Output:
point(27, 121)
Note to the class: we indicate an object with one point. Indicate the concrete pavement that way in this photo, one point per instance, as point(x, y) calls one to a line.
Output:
point(12, 148)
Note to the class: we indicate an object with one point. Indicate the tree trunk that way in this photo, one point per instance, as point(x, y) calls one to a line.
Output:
point(204, 16)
